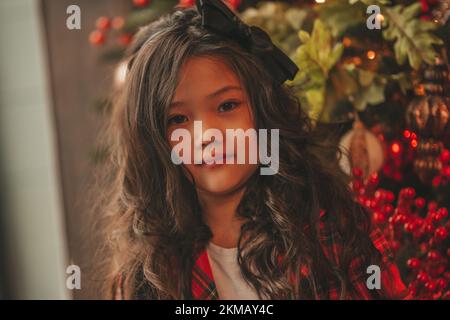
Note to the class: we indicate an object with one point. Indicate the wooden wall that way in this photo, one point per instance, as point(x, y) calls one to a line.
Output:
point(79, 76)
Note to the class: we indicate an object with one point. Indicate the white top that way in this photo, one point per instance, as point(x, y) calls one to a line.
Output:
point(227, 274)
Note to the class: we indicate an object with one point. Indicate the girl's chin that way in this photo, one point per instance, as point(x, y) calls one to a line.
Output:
point(219, 187)
point(221, 180)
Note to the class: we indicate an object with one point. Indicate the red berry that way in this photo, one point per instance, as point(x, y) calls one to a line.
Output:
point(103, 23)
point(442, 213)
point(407, 193)
point(390, 196)
point(440, 233)
point(357, 172)
point(125, 39)
point(234, 4)
point(399, 218)
point(141, 3)
point(423, 277)
point(445, 156)
point(413, 263)
point(441, 283)
point(388, 209)
point(433, 255)
point(446, 172)
point(118, 22)
point(357, 185)
point(430, 286)
point(374, 179)
point(408, 227)
point(432, 206)
point(419, 202)
point(97, 37)
point(379, 217)
point(436, 181)
point(186, 3)
point(429, 228)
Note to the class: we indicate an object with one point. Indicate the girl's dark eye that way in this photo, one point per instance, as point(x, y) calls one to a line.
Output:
point(227, 106)
point(178, 119)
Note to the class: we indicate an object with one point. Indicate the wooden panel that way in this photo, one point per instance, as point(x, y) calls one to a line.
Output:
point(78, 77)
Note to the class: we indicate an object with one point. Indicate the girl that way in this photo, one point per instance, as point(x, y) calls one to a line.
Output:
point(224, 231)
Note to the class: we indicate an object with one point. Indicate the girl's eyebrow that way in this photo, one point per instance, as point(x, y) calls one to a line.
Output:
point(210, 96)
point(223, 90)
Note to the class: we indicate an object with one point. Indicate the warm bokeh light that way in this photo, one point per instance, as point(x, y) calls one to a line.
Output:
point(395, 148)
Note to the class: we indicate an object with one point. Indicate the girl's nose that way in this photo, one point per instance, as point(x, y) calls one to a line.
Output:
point(206, 131)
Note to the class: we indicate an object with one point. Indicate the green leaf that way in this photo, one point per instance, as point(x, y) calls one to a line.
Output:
point(339, 16)
point(374, 94)
point(315, 57)
point(304, 36)
point(413, 40)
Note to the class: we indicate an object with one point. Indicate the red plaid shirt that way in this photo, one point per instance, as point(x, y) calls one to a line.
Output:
point(392, 287)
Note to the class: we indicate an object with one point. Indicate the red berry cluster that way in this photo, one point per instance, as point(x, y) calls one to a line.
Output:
point(103, 25)
point(408, 222)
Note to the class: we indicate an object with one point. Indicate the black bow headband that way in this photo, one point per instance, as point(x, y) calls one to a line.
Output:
point(219, 18)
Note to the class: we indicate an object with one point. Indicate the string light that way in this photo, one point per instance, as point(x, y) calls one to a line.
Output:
point(371, 54)
point(395, 148)
point(347, 41)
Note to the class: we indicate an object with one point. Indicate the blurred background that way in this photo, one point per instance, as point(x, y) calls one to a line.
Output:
point(376, 83)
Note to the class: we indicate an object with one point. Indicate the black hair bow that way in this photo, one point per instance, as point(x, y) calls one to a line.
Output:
point(219, 18)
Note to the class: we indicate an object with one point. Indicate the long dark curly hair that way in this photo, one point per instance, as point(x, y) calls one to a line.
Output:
point(155, 224)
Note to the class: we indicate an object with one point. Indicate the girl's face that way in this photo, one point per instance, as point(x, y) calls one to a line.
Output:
point(210, 92)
